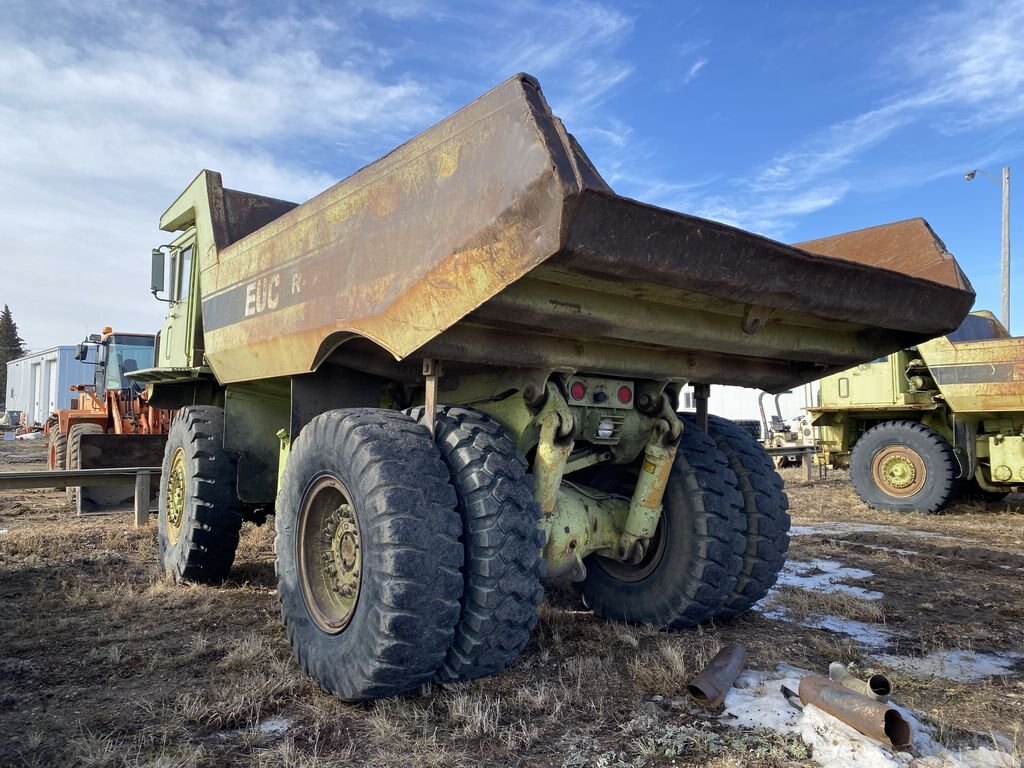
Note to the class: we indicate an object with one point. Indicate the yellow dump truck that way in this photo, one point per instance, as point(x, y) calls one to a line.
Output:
point(922, 424)
point(459, 368)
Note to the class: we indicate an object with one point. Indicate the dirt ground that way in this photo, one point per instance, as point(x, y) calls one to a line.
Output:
point(104, 663)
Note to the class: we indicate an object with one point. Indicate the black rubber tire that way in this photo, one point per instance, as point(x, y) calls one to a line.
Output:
point(696, 556)
point(56, 451)
point(766, 508)
point(403, 621)
point(939, 461)
point(502, 542)
point(212, 513)
point(74, 454)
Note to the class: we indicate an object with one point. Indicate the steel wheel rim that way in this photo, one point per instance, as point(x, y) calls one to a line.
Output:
point(899, 471)
point(329, 550)
point(176, 495)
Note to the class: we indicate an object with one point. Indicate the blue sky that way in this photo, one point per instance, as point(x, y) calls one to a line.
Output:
point(793, 119)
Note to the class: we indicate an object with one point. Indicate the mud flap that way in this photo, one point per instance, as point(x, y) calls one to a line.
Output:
point(102, 451)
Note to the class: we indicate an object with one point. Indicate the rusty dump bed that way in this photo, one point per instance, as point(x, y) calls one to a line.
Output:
point(490, 239)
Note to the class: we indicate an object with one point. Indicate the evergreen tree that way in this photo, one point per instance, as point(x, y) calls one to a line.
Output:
point(11, 347)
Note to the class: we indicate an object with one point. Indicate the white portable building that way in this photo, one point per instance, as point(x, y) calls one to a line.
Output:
point(39, 383)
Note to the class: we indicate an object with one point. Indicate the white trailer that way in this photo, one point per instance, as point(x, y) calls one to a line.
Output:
point(39, 383)
point(742, 403)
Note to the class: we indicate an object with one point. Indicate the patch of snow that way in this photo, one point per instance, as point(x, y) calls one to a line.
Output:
point(840, 529)
point(962, 666)
point(274, 726)
point(825, 576)
point(755, 701)
point(880, 548)
point(870, 635)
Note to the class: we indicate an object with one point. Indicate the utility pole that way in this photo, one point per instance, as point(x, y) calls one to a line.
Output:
point(1006, 248)
point(969, 176)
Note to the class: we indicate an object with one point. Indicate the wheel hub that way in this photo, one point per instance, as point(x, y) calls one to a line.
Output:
point(176, 495)
point(330, 554)
point(899, 471)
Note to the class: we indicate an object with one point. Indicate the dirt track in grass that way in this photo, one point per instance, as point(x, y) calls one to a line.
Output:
point(104, 663)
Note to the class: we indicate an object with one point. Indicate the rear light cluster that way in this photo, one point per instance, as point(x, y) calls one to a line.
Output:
point(579, 392)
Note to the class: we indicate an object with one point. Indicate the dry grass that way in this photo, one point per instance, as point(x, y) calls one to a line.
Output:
point(801, 603)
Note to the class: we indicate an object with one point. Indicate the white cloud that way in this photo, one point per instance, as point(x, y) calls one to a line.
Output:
point(694, 69)
point(575, 42)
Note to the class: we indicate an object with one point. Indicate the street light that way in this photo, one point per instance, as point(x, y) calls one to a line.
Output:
point(969, 176)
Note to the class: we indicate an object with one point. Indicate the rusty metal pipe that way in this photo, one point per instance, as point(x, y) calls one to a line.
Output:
point(872, 718)
point(877, 687)
point(714, 681)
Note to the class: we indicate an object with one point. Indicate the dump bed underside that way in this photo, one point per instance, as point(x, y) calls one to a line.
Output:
point(491, 240)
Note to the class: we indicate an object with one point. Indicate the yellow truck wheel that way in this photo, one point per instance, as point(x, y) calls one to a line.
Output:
point(903, 466)
point(691, 567)
point(502, 540)
point(368, 553)
point(200, 515)
point(765, 508)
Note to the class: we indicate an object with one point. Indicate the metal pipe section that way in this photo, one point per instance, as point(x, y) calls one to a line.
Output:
point(877, 687)
point(714, 681)
point(872, 718)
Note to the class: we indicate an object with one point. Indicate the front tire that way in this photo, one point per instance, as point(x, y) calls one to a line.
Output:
point(502, 542)
point(695, 557)
point(56, 454)
point(368, 553)
point(200, 515)
point(74, 454)
point(903, 466)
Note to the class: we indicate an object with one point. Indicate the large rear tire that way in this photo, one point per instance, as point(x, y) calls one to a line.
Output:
point(766, 512)
point(74, 454)
point(903, 466)
point(693, 561)
point(502, 542)
point(200, 515)
point(368, 553)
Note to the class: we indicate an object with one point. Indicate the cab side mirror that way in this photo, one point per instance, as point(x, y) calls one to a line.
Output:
point(157, 280)
point(82, 352)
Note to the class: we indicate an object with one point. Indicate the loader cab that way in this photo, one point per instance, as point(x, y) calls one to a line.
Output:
point(122, 354)
point(116, 356)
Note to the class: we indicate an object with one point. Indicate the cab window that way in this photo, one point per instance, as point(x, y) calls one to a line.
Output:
point(181, 273)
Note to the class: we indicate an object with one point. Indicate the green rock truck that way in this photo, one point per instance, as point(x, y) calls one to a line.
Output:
point(456, 373)
point(927, 423)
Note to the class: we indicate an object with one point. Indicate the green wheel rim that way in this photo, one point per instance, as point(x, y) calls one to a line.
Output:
point(329, 553)
point(176, 495)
